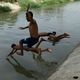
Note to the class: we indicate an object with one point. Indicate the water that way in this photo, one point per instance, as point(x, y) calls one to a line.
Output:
point(60, 19)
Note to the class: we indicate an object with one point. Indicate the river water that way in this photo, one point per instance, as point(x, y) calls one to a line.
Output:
point(61, 19)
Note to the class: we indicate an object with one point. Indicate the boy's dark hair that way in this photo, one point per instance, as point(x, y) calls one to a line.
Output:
point(29, 12)
point(53, 33)
point(12, 46)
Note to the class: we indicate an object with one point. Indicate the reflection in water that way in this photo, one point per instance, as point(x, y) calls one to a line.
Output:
point(46, 63)
point(8, 18)
point(47, 68)
point(20, 69)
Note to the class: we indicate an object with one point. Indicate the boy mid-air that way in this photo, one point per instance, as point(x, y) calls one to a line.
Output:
point(37, 50)
point(51, 37)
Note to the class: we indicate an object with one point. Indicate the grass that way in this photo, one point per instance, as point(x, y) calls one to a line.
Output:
point(24, 4)
point(4, 9)
point(44, 4)
point(33, 5)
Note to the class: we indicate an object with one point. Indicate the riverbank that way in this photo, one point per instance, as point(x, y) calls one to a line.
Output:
point(34, 4)
point(9, 7)
point(70, 69)
point(42, 3)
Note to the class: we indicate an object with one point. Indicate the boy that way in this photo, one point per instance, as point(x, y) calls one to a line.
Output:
point(58, 37)
point(36, 50)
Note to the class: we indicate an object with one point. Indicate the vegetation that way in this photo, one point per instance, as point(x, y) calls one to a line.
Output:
point(4, 9)
point(35, 3)
point(11, 1)
point(24, 4)
point(40, 3)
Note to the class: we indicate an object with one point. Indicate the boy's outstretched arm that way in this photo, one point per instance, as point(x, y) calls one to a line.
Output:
point(12, 52)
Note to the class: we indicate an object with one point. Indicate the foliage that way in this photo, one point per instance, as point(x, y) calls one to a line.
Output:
point(24, 4)
point(39, 4)
point(4, 9)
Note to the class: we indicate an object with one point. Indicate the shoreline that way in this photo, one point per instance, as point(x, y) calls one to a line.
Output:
point(13, 7)
point(69, 69)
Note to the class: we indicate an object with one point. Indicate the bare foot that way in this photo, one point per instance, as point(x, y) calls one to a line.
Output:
point(66, 35)
point(49, 50)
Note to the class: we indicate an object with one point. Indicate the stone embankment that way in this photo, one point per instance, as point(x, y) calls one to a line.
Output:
point(70, 69)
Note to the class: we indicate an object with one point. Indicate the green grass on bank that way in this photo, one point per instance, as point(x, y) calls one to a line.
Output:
point(4, 9)
point(44, 4)
point(24, 4)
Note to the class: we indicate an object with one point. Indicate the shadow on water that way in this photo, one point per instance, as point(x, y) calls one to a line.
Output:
point(22, 70)
point(47, 68)
point(32, 74)
point(39, 59)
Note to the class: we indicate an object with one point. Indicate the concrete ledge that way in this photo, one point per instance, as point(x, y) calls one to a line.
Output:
point(70, 69)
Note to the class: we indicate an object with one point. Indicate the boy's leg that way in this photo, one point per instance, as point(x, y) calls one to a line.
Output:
point(47, 49)
point(21, 42)
point(21, 46)
point(38, 45)
point(66, 35)
point(42, 34)
point(59, 37)
point(29, 41)
point(38, 50)
point(40, 42)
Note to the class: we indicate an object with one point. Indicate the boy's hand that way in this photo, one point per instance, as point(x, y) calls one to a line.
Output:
point(21, 28)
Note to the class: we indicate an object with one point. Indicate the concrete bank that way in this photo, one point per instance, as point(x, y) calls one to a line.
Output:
point(70, 69)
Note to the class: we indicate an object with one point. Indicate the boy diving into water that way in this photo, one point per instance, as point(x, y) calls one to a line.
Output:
point(36, 49)
point(51, 36)
point(58, 37)
point(34, 34)
point(34, 37)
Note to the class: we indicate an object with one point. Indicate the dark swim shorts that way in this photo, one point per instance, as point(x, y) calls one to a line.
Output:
point(29, 41)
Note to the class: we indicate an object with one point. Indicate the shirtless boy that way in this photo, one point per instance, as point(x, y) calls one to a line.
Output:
point(36, 50)
point(34, 34)
point(51, 37)
point(57, 38)
point(33, 30)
